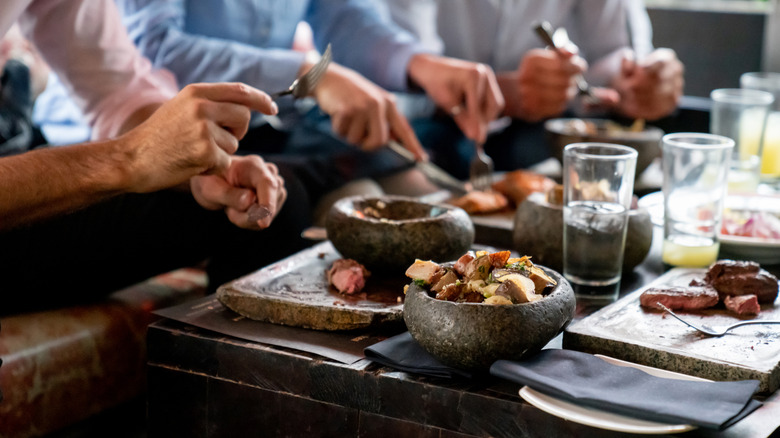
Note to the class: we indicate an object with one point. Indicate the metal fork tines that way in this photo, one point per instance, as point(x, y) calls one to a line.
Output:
point(481, 171)
point(304, 85)
point(707, 330)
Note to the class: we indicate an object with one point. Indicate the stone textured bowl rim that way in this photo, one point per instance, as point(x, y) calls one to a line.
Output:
point(347, 205)
point(648, 133)
point(557, 289)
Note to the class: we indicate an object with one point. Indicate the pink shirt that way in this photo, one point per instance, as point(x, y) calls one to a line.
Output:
point(85, 43)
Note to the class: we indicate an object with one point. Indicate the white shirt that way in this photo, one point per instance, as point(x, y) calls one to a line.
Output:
point(499, 32)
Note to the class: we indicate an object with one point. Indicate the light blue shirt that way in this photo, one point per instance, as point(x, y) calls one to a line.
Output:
point(250, 41)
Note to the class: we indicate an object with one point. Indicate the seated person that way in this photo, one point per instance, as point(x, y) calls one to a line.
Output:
point(252, 42)
point(614, 52)
point(160, 189)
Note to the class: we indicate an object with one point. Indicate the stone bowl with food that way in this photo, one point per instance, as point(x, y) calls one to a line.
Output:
point(537, 230)
point(485, 307)
point(645, 139)
point(387, 233)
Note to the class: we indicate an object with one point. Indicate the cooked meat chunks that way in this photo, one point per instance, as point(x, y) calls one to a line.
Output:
point(674, 297)
point(348, 276)
point(743, 304)
point(734, 278)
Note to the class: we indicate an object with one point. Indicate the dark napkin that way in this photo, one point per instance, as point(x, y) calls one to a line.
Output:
point(403, 353)
point(587, 380)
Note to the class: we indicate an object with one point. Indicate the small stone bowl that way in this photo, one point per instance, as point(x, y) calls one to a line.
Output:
point(388, 233)
point(471, 336)
point(538, 232)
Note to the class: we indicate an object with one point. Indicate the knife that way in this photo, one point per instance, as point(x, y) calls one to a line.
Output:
point(434, 173)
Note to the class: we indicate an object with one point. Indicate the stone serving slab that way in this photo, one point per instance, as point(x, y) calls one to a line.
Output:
point(627, 331)
point(295, 292)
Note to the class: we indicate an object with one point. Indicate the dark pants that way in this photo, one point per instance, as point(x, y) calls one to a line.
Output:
point(86, 255)
point(320, 159)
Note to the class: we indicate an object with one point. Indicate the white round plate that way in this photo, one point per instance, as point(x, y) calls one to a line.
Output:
point(607, 420)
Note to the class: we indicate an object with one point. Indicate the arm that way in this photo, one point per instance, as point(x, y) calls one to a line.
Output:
point(193, 134)
point(158, 29)
point(95, 60)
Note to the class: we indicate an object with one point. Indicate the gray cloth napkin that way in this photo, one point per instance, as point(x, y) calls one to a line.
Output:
point(403, 353)
point(589, 381)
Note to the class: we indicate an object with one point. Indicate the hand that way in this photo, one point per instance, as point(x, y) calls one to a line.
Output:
point(363, 113)
point(194, 133)
point(467, 90)
point(652, 88)
point(543, 85)
point(247, 181)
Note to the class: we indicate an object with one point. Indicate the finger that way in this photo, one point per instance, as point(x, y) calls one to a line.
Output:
point(493, 103)
point(266, 186)
point(216, 193)
point(236, 92)
point(230, 116)
point(378, 127)
point(220, 162)
point(341, 124)
point(356, 131)
point(403, 132)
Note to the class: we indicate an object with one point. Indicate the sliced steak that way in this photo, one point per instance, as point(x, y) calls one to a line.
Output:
point(743, 304)
point(674, 297)
point(348, 276)
point(735, 278)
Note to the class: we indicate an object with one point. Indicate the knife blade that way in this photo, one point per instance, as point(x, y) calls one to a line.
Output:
point(434, 173)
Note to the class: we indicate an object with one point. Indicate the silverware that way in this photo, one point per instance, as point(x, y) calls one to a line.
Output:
point(545, 31)
point(707, 330)
point(434, 173)
point(481, 170)
point(304, 85)
point(300, 87)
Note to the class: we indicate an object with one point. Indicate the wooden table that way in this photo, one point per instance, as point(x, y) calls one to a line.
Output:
point(204, 384)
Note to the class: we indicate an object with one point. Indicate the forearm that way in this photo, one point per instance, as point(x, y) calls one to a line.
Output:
point(51, 181)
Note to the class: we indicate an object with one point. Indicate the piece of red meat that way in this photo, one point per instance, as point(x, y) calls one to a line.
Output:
point(743, 304)
point(674, 297)
point(348, 276)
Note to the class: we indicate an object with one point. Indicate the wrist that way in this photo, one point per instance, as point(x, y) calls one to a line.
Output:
point(416, 70)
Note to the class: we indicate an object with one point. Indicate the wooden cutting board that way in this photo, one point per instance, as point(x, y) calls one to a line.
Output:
point(295, 292)
point(627, 331)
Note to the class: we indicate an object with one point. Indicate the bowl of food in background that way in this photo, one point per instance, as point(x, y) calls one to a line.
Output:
point(485, 307)
point(645, 139)
point(537, 230)
point(387, 233)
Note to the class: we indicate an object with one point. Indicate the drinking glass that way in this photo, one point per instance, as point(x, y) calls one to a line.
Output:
point(770, 156)
point(598, 184)
point(741, 115)
point(695, 171)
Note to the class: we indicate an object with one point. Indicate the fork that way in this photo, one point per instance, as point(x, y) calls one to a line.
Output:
point(481, 171)
point(545, 31)
point(707, 330)
point(304, 85)
point(300, 87)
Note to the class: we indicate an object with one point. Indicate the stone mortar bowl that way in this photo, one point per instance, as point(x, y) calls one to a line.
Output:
point(538, 232)
point(562, 132)
point(388, 233)
point(471, 336)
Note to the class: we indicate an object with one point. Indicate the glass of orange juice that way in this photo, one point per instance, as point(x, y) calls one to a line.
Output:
point(770, 158)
